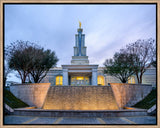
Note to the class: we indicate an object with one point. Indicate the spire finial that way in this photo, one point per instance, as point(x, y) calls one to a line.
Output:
point(79, 24)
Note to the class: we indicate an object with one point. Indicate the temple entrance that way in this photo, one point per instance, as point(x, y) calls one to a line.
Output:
point(79, 80)
point(79, 75)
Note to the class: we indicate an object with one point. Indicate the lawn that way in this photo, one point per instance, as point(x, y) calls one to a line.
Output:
point(12, 101)
point(148, 101)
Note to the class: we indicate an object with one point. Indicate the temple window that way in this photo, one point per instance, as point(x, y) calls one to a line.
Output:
point(131, 80)
point(80, 78)
point(59, 80)
point(101, 80)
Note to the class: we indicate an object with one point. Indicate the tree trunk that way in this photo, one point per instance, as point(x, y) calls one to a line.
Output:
point(124, 81)
point(137, 78)
point(141, 77)
point(24, 77)
point(23, 80)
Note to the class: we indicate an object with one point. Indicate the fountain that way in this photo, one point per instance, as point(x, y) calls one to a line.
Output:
point(80, 98)
point(80, 101)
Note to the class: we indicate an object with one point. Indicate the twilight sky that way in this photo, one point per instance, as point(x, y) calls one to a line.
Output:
point(107, 27)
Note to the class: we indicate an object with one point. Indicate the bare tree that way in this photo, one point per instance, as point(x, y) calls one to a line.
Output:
point(146, 52)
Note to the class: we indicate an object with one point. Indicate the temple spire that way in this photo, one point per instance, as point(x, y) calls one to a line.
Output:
point(80, 56)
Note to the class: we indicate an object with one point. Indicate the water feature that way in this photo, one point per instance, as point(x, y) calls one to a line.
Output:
point(80, 98)
point(80, 101)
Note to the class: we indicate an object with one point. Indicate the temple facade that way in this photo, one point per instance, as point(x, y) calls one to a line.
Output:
point(80, 72)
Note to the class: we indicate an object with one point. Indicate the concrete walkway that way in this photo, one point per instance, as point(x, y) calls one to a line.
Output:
point(12, 119)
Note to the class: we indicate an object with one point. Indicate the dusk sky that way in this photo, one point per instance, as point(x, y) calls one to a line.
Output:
point(107, 27)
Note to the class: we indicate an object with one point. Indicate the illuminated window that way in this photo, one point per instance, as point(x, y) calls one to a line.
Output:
point(131, 80)
point(101, 80)
point(59, 80)
point(80, 78)
point(87, 78)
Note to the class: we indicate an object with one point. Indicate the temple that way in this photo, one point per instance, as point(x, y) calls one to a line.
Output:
point(80, 72)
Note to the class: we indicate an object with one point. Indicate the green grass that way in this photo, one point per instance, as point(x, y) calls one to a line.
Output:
point(148, 101)
point(12, 101)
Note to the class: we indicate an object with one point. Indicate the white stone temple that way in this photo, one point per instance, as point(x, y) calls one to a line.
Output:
point(80, 72)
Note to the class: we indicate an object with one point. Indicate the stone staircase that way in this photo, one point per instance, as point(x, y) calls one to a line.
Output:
point(80, 98)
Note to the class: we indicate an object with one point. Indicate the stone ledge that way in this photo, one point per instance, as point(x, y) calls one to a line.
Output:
point(31, 84)
point(129, 84)
point(80, 113)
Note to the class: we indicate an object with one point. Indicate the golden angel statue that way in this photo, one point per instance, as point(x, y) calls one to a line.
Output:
point(79, 24)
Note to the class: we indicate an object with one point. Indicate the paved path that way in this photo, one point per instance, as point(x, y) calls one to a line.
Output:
point(12, 119)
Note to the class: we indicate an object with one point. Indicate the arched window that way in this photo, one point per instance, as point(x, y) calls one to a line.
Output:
point(59, 80)
point(131, 80)
point(101, 80)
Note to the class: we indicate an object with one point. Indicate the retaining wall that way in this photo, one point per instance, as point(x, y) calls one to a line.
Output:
point(129, 94)
point(81, 97)
point(32, 94)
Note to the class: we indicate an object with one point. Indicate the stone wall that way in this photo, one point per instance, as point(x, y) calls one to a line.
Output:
point(32, 94)
point(129, 94)
point(149, 79)
point(80, 98)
